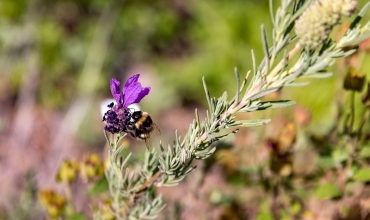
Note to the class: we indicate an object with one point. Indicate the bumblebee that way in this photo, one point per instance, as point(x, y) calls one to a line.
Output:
point(140, 126)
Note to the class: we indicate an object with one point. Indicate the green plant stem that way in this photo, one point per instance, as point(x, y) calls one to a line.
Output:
point(352, 122)
point(365, 119)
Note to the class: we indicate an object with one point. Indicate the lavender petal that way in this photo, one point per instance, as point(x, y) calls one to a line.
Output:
point(114, 88)
point(133, 92)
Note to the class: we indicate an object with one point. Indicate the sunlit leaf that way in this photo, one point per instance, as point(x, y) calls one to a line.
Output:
point(362, 175)
point(327, 191)
point(296, 208)
point(265, 216)
point(340, 155)
point(365, 152)
point(100, 187)
point(326, 162)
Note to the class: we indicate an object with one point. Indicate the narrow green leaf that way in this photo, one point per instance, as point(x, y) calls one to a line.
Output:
point(107, 138)
point(299, 8)
point(125, 161)
point(327, 191)
point(208, 154)
point(364, 9)
point(244, 81)
point(237, 86)
point(318, 75)
point(296, 84)
point(355, 41)
point(265, 47)
point(264, 93)
point(252, 123)
point(276, 104)
point(362, 175)
point(226, 135)
point(271, 7)
point(223, 97)
point(350, 52)
point(359, 16)
point(285, 63)
point(177, 141)
point(254, 62)
point(208, 96)
point(120, 137)
point(161, 146)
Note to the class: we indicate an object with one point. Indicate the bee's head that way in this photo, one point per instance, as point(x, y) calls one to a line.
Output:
point(137, 115)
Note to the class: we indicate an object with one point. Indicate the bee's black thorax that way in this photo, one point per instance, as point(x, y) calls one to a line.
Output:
point(140, 125)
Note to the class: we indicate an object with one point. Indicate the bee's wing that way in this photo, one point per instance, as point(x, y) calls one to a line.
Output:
point(148, 143)
point(156, 128)
point(148, 140)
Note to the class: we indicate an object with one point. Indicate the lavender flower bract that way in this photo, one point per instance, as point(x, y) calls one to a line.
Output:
point(119, 115)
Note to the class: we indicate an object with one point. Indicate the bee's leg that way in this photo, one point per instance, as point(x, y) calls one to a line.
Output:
point(132, 134)
point(130, 126)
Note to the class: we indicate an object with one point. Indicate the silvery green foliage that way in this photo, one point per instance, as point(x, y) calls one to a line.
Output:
point(130, 189)
point(124, 185)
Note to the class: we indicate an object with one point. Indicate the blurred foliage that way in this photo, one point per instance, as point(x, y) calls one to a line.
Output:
point(177, 42)
point(175, 39)
point(90, 171)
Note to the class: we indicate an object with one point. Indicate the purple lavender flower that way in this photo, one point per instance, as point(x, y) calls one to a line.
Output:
point(118, 115)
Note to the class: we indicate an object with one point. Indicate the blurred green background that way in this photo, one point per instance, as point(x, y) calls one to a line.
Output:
point(56, 59)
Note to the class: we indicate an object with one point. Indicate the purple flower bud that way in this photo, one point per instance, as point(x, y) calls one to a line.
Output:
point(119, 115)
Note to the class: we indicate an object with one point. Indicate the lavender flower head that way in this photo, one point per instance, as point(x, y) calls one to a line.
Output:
point(119, 115)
